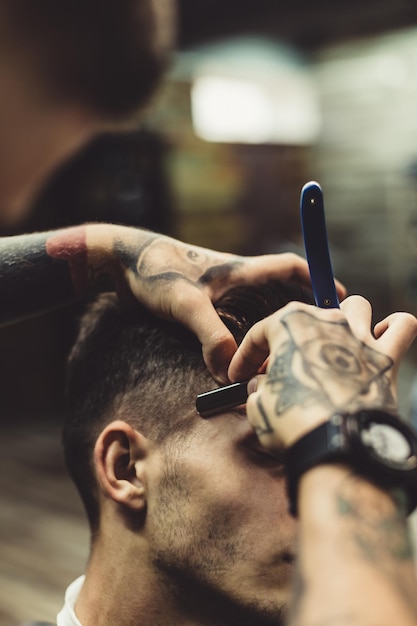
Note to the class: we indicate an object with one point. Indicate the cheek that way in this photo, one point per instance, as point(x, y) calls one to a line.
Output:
point(249, 521)
point(267, 501)
point(204, 493)
point(228, 493)
point(250, 496)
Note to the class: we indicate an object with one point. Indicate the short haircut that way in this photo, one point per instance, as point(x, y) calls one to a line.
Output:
point(127, 363)
point(99, 53)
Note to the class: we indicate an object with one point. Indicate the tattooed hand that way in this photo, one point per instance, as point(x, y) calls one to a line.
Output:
point(43, 271)
point(354, 561)
point(320, 361)
point(180, 281)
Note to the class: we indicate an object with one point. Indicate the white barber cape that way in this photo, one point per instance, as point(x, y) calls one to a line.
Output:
point(67, 617)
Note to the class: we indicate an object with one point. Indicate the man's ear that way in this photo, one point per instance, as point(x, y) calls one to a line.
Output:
point(118, 456)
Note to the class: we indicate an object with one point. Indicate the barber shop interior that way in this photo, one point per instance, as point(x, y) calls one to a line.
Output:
point(258, 99)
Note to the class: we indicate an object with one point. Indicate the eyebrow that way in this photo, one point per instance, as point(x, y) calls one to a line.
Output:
point(221, 399)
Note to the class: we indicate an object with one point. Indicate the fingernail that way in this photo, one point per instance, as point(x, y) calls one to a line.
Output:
point(252, 385)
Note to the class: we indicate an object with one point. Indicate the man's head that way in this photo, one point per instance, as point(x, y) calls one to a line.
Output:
point(103, 55)
point(201, 507)
point(70, 70)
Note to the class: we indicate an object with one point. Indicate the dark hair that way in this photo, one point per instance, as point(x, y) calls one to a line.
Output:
point(127, 363)
point(100, 53)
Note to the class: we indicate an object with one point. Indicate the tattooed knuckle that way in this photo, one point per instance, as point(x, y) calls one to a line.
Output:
point(335, 315)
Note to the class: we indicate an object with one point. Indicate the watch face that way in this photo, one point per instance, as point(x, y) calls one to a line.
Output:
point(386, 442)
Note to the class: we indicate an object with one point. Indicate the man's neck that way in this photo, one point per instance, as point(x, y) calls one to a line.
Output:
point(122, 587)
point(117, 591)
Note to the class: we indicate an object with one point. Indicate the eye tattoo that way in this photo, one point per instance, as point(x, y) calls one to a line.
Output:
point(340, 359)
point(193, 255)
point(289, 390)
point(305, 371)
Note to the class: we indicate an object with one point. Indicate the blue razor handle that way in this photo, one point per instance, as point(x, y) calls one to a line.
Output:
point(316, 246)
point(313, 223)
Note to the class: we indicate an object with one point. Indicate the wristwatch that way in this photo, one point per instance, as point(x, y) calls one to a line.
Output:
point(376, 444)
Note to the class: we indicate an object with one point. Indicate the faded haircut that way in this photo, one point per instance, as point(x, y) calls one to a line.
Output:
point(128, 364)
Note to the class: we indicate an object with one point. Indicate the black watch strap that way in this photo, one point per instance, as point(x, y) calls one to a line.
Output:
point(313, 448)
point(338, 441)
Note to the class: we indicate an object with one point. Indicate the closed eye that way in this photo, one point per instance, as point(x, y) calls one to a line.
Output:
point(262, 456)
point(254, 449)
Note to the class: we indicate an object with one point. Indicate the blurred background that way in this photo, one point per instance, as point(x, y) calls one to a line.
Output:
point(261, 97)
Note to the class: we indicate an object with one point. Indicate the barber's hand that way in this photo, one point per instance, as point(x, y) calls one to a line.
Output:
point(180, 281)
point(320, 361)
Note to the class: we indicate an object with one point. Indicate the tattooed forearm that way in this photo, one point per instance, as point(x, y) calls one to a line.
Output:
point(377, 530)
point(43, 271)
point(298, 616)
point(70, 247)
point(355, 559)
point(336, 619)
point(299, 592)
point(31, 280)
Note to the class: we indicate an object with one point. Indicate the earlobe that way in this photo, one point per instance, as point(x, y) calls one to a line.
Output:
point(118, 455)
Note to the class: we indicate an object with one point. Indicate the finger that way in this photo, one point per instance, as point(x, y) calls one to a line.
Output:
point(396, 333)
point(260, 339)
point(358, 313)
point(260, 421)
point(286, 266)
point(253, 351)
point(382, 326)
point(218, 351)
point(341, 289)
point(387, 322)
point(196, 312)
point(256, 383)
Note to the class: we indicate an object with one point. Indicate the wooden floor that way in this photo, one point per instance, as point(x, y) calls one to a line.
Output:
point(43, 531)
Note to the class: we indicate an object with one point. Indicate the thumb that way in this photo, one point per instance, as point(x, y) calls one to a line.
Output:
point(219, 347)
point(218, 343)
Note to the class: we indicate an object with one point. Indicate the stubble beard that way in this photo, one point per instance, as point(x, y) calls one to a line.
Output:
point(194, 560)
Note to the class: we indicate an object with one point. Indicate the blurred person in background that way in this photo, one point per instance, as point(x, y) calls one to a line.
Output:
point(68, 72)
